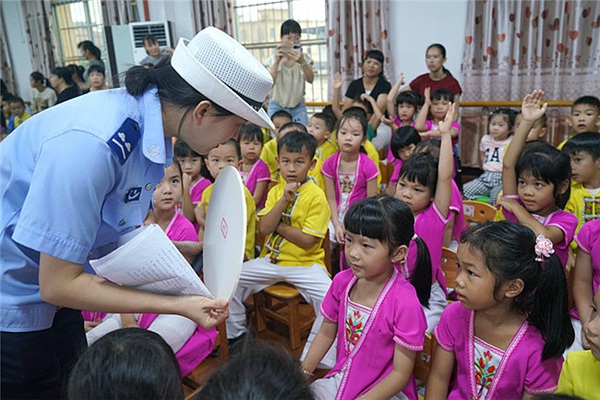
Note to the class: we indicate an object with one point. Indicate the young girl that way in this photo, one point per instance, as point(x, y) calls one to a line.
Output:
point(371, 309)
point(402, 108)
point(427, 189)
point(193, 181)
point(506, 334)
point(254, 171)
point(227, 154)
point(587, 277)
point(536, 186)
point(42, 95)
point(437, 105)
point(491, 153)
point(402, 145)
point(349, 174)
point(190, 343)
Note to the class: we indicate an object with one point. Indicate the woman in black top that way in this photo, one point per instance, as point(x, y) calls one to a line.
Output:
point(372, 82)
point(61, 81)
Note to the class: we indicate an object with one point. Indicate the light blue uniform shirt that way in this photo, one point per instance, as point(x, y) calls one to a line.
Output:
point(72, 180)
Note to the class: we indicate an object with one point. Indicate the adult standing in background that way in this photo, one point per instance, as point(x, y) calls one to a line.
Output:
point(62, 81)
point(77, 176)
point(290, 69)
point(92, 54)
point(438, 76)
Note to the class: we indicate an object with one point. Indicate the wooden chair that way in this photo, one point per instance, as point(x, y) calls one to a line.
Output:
point(478, 212)
point(281, 302)
point(449, 267)
point(424, 358)
point(387, 170)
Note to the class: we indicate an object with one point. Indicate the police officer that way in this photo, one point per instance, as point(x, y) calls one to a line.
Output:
point(77, 176)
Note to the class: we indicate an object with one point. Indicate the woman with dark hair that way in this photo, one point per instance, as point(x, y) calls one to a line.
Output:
point(438, 76)
point(373, 81)
point(92, 54)
point(78, 176)
point(61, 80)
point(42, 95)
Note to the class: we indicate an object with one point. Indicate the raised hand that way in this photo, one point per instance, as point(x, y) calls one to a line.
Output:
point(427, 96)
point(337, 81)
point(532, 108)
point(446, 125)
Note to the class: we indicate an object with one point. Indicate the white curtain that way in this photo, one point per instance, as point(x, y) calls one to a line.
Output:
point(217, 13)
point(38, 22)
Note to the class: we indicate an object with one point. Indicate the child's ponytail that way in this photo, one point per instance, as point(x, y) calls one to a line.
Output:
point(550, 311)
point(138, 79)
point(421, 274)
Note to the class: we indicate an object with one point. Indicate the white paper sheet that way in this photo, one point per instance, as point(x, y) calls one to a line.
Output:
point(148, 260)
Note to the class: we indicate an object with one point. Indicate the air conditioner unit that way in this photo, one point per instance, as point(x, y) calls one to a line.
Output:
point(160, 29)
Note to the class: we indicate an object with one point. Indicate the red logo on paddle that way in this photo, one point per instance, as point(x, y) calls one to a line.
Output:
point(224, 228)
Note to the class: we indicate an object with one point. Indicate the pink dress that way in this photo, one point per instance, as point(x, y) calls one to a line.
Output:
point(588, 240)
point(456, 206)
point(259, 173)
point(396, 319)
point(197, 189)
point(429, 226)
point(431, 126)
point(520, 370)
point(365, 171)
point(563, 220)
point(180, 229)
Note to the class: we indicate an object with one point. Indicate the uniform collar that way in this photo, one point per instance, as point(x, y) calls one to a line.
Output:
point(157, 148)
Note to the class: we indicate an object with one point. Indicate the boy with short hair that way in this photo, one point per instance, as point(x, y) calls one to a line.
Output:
point(584, 202)
point(538, 131)
point(18, 113)
point(294, 221)
point(321, 125)
point(269, 151)
point(585, 117)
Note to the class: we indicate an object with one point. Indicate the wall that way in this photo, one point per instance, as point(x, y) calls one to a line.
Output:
point(416, 24)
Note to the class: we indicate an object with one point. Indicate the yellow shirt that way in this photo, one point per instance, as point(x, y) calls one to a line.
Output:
point(585, 206)
point(326, 150)
point(580, 376)
point(562, 144)
point(269, 154)
point(250, 218)
point(309, 212)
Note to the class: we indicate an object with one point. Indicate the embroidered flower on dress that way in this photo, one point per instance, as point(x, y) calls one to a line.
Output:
point(354, 328)
point(485, 372)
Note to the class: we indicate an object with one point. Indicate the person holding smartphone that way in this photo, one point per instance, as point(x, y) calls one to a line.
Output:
point(290, 69)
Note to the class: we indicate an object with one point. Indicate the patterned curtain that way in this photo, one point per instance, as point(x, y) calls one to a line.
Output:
point(38, 22)
point(119, 12)
point(513, 47)
point(355, 27)
point(217, 13)
point(6, 70)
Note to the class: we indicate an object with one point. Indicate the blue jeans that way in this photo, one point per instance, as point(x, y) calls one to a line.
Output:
point(298, 113)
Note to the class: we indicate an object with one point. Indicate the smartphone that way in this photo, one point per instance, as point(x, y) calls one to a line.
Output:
point(297, 47)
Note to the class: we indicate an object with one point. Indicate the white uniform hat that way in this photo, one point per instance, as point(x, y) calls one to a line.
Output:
point(220, 68)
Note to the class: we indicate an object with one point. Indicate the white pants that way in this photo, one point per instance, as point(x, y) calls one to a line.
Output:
point(437, 304)
point(326, 388)
point(312, 282)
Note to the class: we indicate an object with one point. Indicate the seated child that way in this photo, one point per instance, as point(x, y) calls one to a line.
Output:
point(321, 125)
point(193, 181)
point(536, 185)
point(261, 371)
point(294, 221)
point(127, 364)
point(269, 151)
point(437, 105)
point(227, 154)
point(580, 375)
point(402, 113)
point(538, 130)
point(505, 336)
point(97, 78)
point(18, 113)
point(190, 342)
point(255, 173)
point(371, 309)
point(585, 117)
point(349, 174)
point(402, 145)
point(491, 153)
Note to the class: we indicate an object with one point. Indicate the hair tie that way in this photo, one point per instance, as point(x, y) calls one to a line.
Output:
point(543, 248)
point(414, 237)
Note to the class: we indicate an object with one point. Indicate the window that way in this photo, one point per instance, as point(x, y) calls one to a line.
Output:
point(257, 26)
point(78, 20)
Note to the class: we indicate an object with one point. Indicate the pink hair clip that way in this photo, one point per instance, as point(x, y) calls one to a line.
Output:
point(543, 247)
